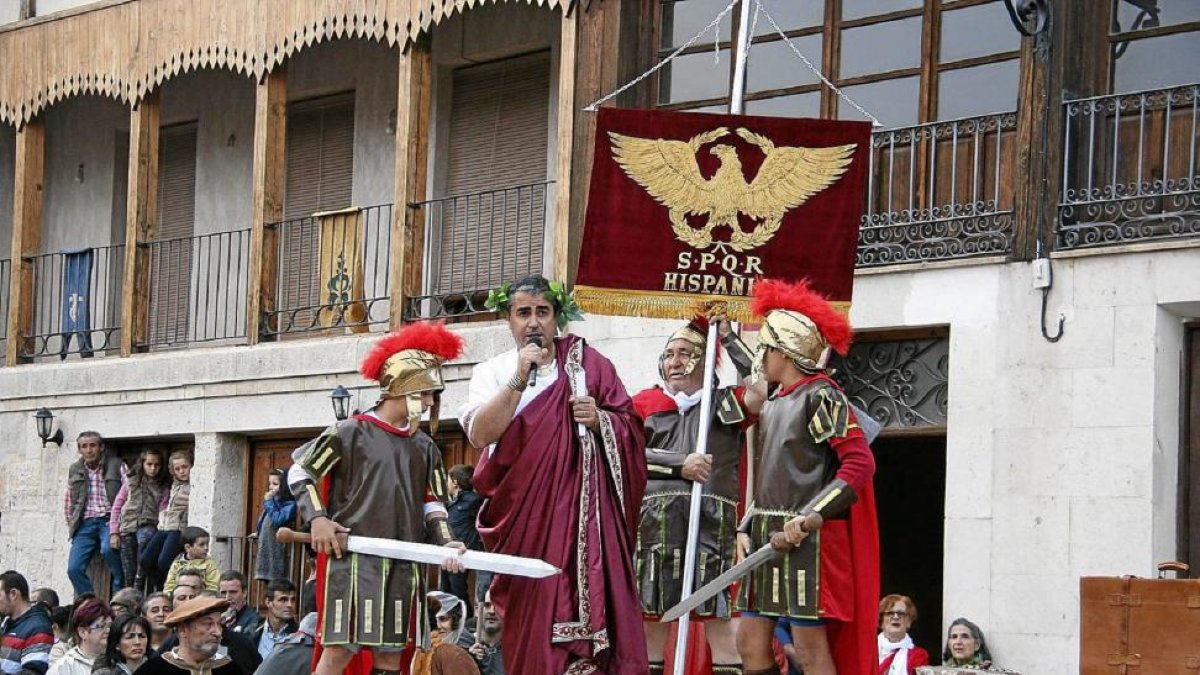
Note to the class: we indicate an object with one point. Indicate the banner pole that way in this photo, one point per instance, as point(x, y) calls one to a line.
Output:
point(737, 99)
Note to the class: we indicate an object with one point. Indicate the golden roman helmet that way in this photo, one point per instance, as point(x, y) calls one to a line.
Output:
point(694, 333)
point(408, 363)
point(797, 336)
point(799, 322)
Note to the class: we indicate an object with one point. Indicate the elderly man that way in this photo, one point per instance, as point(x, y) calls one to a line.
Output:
point(93, 482)
point(563, 473)
point(671, 415)
point(197, 622)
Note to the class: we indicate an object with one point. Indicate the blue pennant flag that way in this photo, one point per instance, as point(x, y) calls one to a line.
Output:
point(76, 298)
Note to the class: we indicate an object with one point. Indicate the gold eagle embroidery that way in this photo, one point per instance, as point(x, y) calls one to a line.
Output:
point(788, 177)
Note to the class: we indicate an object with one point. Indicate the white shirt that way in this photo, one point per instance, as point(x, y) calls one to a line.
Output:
point(490, 377)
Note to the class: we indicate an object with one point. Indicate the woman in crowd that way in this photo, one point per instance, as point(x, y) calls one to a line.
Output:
point(127, 644)
point(279, 510)
point(965, 646)
point(897, 653)
point(88, 632)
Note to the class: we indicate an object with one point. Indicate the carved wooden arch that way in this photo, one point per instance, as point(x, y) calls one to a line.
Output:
point(126, 48)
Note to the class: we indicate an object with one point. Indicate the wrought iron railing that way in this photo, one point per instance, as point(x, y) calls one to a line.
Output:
point(241, 554)
point(5, 283)
point(903, 384)
point(333, 272)
point(1129, 170)
point(477, 241)
point(938, 191)
point(77, 302)
point(198, 288)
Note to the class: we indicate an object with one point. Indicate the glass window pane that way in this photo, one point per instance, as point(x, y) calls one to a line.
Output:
point(773, 65)
point(977, 31)
point(881, 47)
point(966, 92)
point(1131, 16)
point(892, 102)
point(1156, 62)
point(681, 19)
point(796, 105)
point(716, 109)
point(693, 77)
point(790, 15)
point(857, 9)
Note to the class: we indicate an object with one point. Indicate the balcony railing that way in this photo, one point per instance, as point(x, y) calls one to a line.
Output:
point(77, 302)
point(333, 272)
point(1129, 170)
point(940, 191)
point(475, 242)
point(198, 288)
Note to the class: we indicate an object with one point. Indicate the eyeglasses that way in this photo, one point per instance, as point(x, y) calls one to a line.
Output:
point(899, 614)
point(100, 624)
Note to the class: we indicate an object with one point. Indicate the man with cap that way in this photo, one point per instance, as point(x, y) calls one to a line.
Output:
point(444, 656)
point(671, 416)
point(812, 497)
point(197, 622)
point(378, 475)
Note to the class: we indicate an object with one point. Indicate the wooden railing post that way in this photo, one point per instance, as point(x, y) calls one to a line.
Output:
point(270, 135)
point(568, 49)
point(26, 234)
point(140, 222)
point(413, 110)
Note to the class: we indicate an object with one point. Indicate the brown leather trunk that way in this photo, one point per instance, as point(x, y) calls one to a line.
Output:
point(1131, 626)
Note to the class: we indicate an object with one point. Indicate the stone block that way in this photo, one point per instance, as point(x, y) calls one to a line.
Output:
point(1033, 654)
point(1041, 604)
point(1112, 397)
point(1111, 537)
point(967, 576)
point(1031, 398)
point(1134, 335)
point(1021, 525)
point(1087, 339)
point(1109, 281)
point(968, 471)
point(1073, 462)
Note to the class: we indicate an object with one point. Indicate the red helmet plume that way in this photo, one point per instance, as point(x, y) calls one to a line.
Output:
point(427, 336)
point(772, 294)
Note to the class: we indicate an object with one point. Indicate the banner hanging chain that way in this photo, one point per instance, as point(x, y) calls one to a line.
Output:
point(712, 25)
point(716, 47)
point(816, 71)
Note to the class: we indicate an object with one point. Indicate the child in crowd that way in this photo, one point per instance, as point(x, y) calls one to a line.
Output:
point(194, 557)
point(166, 544)
point(279, 510)
point(135, 513)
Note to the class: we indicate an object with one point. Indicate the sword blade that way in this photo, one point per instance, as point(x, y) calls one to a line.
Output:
point(436, 555)
point(753, 561)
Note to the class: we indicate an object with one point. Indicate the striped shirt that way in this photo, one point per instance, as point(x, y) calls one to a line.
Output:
point(26, 642)
point(97, 496)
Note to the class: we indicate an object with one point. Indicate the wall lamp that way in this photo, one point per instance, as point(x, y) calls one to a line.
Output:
point(341, 403)
point(45, 422)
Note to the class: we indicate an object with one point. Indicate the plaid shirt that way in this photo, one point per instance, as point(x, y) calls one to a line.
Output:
point(97, 501)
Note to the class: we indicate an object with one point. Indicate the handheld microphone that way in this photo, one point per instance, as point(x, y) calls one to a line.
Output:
point(534, 340)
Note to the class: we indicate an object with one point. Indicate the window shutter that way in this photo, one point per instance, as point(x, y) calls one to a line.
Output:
point(171, 260)
point(499, 124)
point(319, 176)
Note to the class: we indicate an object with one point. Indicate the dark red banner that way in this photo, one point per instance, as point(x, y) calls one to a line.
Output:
point(687, 209)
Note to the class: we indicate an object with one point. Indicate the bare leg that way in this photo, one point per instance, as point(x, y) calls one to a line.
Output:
point(387, 661)
point(812, 646)
point(722, 639)
point(754, 635)
point(656, 640)
point(334, 660)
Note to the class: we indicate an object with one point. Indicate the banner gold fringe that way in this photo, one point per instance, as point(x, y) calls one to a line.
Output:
point(668, 304)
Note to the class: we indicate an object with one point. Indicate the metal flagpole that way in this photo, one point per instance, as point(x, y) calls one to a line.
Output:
point(736, 103)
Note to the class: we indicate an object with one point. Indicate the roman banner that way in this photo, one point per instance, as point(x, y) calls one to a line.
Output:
point(76, 312)
point(688, 209)
point(342, 270)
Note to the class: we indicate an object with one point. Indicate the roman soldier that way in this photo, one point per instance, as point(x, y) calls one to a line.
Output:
point(384, 479)
point(671, 417)
point(812, 496)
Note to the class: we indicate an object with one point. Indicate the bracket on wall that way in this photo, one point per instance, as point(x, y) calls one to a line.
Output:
point(1030, 17)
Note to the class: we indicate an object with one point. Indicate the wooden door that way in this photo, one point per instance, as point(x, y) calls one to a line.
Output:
point(267, 454)
point(1189, 460)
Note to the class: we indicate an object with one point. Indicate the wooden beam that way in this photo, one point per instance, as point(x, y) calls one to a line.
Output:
point(414, 107)
point(564, 147)
point(28, 186)
point(140, 222)
point(831, 55)
point(270, 136)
